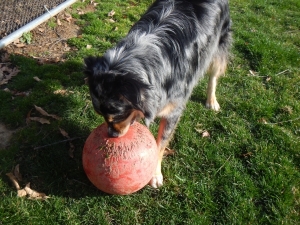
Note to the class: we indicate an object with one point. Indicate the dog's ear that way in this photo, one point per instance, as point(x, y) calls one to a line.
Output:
point(95, 66)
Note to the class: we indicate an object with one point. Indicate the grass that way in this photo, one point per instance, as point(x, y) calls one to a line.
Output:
point(246, 172)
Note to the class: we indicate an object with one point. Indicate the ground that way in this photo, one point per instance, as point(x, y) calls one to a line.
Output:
point(48, 45)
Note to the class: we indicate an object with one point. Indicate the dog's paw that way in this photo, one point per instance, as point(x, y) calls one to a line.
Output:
point(156, 181)
point(214, 105)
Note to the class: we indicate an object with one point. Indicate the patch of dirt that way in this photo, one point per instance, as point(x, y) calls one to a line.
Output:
point(48, 44)
point(5, 136)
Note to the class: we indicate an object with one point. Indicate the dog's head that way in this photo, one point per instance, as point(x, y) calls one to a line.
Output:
point(117, 96)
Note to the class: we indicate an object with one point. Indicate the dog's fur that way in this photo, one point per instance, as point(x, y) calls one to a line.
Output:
point(152, 71)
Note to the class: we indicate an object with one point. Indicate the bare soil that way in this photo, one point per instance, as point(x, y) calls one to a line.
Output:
point(48, 45)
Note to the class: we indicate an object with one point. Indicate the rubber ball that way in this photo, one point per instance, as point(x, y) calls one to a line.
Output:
point(121, 165)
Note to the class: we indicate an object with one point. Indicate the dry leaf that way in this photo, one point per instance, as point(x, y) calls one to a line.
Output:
point(111, 13)
point(44, 113)
point(168, 151)
point(247, 155)
point(111, 20)
point(5, 58)
point(253, 73)
point(68, 17)
point(20, 45)
point(37, 79)
point(205, 134)
point(40, 120)
point(71, 150)
point(12, 72)
point(21, 193)
point(32, 194)
point(7, 90)
point(58, 22)
point(23, 94)
point(60, 92)
point(80, 12)
point(268, 79)
point(17, 173)
point(263, 120)
point(64, 133)
point(13, 180)
point(28, 117)
point(41, 30)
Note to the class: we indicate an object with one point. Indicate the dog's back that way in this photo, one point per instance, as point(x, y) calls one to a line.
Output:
point(173, 44)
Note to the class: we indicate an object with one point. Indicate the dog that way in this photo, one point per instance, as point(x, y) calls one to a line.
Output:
point(152, 71)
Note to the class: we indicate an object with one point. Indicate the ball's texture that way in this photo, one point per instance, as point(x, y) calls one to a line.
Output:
point(120, 165)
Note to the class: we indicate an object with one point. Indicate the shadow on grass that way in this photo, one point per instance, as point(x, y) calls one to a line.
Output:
point(42, 152)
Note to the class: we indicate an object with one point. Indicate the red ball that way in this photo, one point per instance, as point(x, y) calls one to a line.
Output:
point(120, 165)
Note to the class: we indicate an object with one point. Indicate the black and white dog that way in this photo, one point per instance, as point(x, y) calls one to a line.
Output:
point(153, 70)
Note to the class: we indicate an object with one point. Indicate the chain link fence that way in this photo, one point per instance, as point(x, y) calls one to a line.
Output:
point(17, 13)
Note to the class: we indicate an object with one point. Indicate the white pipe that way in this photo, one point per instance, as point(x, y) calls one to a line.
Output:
point(28, 27)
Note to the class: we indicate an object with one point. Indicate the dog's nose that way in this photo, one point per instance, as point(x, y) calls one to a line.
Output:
point(112, 133)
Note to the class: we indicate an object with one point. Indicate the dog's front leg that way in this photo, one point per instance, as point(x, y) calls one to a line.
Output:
point(165, 132)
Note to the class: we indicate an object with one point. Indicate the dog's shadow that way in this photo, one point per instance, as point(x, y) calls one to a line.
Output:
point(49, 159)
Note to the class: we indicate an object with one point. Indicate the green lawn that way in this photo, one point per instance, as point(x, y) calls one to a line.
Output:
point(246, 172)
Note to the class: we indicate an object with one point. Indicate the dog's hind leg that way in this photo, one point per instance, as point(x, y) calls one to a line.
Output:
point(166, 129)
point(217, 68)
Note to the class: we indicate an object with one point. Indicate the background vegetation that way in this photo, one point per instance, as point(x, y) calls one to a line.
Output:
point(245, 172)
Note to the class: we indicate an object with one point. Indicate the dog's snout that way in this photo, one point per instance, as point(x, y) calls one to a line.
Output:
point(112, 133)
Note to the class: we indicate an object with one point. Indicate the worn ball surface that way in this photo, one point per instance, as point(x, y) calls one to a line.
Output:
point(120, 165)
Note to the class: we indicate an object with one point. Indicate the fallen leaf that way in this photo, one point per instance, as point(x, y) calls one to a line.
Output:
point(37, 79)
point(12, 72)
point(42, 30)
point(60, 92)
point(13, 180)
point(111, 13)
point(263, 120)
point(32, 194)
point(80, 12)
point(28, 117)
point(253, 73)
point(71, 150)
point(111, 20)
point(5, 58)
point(168, 151)
point(68, 17)
point(268, 79)
point(17, 173)
point(58, 22)
point(64, 133)
point(40, 120)
point(20, 45)
point(247, 155)
point(205, 134)
point(23, 94)
point(7, 90)
point(21, 193)
point(44, 113)
point(287, 109)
